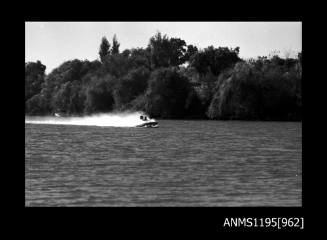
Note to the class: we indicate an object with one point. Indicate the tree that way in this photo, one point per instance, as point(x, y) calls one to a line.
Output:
point(215, 83)
point(177, 51)
point(34, 78)
point(131, 86)
point(190, 52)
point(126, 53)
point(246, 92)
point(104, 49)
point(61, 99)
point(215, 59)
point(99, 95)
point(167, 93)
point(117, 65)
point(194, 106)
point(299, 55)
point(140, 58)
point(166, 51)
point(70, 98)
point(63, 90)
point(237, 94)
point(159, 48)
point(115, 46)
point(37, 105)
point(77, 98)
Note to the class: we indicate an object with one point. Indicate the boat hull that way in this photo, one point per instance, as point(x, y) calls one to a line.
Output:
point(148, 124)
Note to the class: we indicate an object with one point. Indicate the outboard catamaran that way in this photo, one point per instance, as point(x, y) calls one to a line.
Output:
point(147, 122)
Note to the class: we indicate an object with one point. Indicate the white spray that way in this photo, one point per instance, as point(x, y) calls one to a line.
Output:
point(126, 119)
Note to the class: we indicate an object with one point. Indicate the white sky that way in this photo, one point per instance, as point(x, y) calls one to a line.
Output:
point(55, 42)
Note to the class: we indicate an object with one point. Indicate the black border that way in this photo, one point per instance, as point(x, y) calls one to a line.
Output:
point(191, 221)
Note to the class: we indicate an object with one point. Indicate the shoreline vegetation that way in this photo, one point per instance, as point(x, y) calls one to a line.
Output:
point(169, 80)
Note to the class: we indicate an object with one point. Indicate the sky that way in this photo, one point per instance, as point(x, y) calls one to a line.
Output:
point(55, 42)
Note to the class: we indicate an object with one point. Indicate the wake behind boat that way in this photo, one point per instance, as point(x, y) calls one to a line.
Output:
point(147, 123)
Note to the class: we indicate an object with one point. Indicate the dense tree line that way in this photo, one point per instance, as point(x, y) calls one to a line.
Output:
point(169, 79)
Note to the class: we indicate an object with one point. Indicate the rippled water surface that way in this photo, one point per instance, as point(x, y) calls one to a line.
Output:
point(181, 163)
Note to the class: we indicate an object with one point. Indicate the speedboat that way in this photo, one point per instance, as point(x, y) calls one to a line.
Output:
point(148, 123)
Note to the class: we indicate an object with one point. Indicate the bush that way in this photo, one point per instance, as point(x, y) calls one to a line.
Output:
point(130, 86)
point(37, 105)
point(167, 94)
point(99, 97)
point(249, 92)
point(34, 78)
point(213, 83)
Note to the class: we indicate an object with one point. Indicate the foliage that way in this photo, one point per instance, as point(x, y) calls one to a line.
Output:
point(271, 92)
point(130, 86)
point(104, 48)
point(140, 57)
point(166, 52)
point(116, 65)
point(34, 78)
point(167, 93)
point(190, 52)
point(215, 59)
point(99, 96)
point(115, 46)
point(169, 79)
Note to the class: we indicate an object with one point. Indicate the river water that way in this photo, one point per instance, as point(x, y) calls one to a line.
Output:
point(180, 163)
